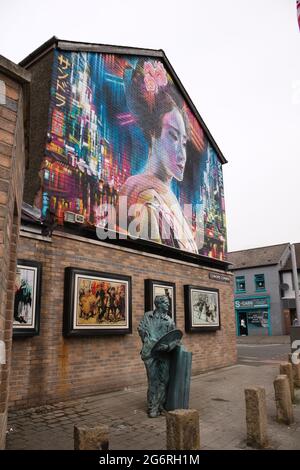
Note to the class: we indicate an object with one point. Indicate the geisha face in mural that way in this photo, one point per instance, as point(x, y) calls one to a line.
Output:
point(152, 205)
point(168, 152)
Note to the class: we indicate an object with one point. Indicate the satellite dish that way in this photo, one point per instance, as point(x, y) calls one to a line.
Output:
point(284, 286)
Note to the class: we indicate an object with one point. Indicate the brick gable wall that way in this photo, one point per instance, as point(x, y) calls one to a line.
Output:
point(12, 164)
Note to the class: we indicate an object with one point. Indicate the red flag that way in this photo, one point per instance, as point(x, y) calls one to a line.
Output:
point(298, 12)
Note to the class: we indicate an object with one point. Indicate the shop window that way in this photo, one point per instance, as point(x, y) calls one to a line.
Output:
point(240, 284)
point(259, 282)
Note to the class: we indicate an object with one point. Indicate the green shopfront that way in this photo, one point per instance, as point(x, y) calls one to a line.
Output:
point(253, 316)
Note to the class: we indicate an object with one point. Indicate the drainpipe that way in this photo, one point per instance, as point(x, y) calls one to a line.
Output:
point(295, 279)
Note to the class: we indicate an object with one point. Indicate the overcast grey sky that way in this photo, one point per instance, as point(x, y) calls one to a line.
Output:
point(240, 63)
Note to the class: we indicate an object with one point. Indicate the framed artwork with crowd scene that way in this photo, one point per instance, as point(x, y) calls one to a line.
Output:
point(202, 311)
point(96, 303)
point(154, 288)
point(27, 298)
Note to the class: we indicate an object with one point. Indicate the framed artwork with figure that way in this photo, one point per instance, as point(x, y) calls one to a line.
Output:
point(154, 288)
point(96, 303)
point(202, 309)
point(27, 298)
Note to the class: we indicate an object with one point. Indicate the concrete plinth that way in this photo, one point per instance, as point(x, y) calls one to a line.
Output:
point(296, 375)
point(86, 438)
point(3, 426)
point(283, 400)
point(294, 359)
point(286, 369)
point(256, 417)
point(183, 430)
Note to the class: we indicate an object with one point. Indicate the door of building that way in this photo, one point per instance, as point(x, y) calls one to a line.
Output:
point(243, 325)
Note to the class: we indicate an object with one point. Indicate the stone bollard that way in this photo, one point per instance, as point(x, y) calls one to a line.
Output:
point(296, 369)
point(86, 438)
point(296, 374)
point(256, 417)
point(183, 430)
point(286, 369)
point(283, 400)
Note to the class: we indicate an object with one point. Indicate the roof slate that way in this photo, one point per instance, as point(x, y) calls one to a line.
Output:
point(288, 264)
point(262, 256)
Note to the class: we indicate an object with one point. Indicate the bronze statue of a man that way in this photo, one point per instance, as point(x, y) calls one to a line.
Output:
point(152, 327)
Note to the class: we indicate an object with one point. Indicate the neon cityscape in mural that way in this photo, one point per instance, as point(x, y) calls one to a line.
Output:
point(119, 127)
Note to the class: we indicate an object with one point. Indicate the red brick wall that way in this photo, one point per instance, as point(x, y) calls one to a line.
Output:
point(12, 163)
point(49, 367)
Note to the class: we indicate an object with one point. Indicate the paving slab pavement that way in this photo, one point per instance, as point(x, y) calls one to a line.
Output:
point(218, 395)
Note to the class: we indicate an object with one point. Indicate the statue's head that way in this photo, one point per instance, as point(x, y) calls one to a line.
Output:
point(161, 303)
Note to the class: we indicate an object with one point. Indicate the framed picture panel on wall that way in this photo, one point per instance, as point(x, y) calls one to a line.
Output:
point(202, 309)
point(27, 298)
point(96, 303)
point(154, 288)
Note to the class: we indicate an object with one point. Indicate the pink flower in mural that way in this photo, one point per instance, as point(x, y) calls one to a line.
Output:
point(148, 68)
point(150, 83)
point(155, 76)
point(160, 75)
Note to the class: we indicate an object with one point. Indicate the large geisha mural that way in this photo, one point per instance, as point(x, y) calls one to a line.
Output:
point(122, 139)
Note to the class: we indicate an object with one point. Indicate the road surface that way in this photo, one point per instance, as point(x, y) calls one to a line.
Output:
point(262, 354)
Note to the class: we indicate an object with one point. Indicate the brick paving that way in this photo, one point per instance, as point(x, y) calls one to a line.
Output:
point(218, 395)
